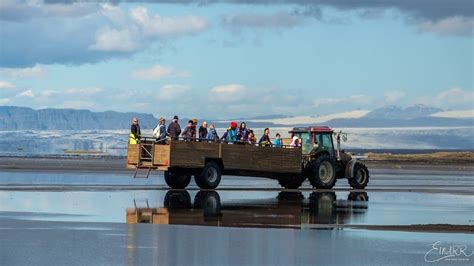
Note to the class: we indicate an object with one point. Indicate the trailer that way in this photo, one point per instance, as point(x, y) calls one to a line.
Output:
point(207, 160)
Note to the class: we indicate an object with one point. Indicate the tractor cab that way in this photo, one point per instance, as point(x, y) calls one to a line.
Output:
point(315, 140)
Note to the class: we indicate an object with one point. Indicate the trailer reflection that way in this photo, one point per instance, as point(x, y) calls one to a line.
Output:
point(287, 210)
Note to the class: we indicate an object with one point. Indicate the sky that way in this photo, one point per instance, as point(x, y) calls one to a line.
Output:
point(229, 59)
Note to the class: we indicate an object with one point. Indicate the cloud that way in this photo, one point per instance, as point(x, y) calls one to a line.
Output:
point(113, 40)
point(6, 85)
point(5, 101)
point(28, 72)
point(360, 99)
point(77, 105)
point(158, 72)
point(458, 26)
point(451, 98)
point(172, 91)
point(83, 91)
point(27, 93)
point(228, 93)
point(158, 26)
point(277, 20)
point(108, 32)
point(393, 96)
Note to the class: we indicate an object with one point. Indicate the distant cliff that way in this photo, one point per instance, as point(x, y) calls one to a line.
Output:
point(22, 118)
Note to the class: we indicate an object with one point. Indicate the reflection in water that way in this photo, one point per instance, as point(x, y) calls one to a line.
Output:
point(289, 209)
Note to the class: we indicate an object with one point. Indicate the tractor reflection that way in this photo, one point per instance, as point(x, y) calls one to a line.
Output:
point(287, 210)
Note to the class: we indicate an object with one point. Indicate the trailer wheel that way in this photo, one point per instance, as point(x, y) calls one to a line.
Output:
point(175, 199)
point(210, 177)
point(323, 172)
point(209, 201)
point(361, 176)
point(291, 182)
point(177, 181)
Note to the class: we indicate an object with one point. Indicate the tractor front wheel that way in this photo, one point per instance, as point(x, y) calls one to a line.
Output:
point(322, 172)
point(360, 177)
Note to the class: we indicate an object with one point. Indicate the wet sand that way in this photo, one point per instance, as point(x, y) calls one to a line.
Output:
point(75, 211)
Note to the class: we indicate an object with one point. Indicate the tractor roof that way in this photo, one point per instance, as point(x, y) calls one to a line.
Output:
point(317, 129)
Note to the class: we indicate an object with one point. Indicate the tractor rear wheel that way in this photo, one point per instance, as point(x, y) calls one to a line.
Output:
point(210, 177)
point(177, 181)
point(361, 176)
point(322, 172)
point(291, 182)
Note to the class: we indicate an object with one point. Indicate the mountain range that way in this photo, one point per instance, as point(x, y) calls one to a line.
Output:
point(23, 118)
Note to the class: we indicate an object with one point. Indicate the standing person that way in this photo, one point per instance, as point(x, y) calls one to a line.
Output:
point(160, 131)
point(252, 139)
point(203, 130)
point(278, 142)
point(265, 139)
point(243, 133)
point(135, 133)
point(174, 130)
point(231, 134)
point(189, 132)
point(195, 122)
point(212, 134)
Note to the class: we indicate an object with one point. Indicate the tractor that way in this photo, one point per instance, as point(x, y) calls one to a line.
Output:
point(322, 164)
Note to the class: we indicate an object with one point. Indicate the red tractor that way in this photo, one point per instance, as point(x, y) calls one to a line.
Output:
point(323, 164)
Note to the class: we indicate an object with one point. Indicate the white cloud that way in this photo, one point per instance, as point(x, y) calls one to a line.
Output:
point(455, 114)
point(114, 40)
point(4, 101)
point(172, 91)
point(456, 25)
point(83, 91)
point(6, 85)
point(28, 72)
point(78, 105)
point(27, 93)
point(228, 93)
point(353, 99)
point(454, 98)
point(48, 93)
point(155, 26)
point(393, 96)
point(158, 72)
point(138, 26)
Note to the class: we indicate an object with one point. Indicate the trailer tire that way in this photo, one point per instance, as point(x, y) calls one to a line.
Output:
point(361, 176)
point(210, 176)
point(291, 182)
point(177, 199)
point(177, 181)
point(323, 172)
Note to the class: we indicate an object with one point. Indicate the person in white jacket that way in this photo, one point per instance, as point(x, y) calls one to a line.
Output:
point(160, 131)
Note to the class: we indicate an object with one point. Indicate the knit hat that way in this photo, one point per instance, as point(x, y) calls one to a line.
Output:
point(176, 117)
point(233, 124)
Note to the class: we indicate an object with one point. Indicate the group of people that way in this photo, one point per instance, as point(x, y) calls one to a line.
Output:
point(234, 134)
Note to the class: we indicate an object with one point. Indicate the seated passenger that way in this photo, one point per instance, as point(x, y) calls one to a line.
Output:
point(189, 131)
point(265, 139)
point(295, 142)
point(212, 134)
point(230, 135)
point(278, 142)
point(243, 133)
point(252, 139)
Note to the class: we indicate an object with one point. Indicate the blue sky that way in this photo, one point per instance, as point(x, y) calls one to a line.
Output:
point(227, 59)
